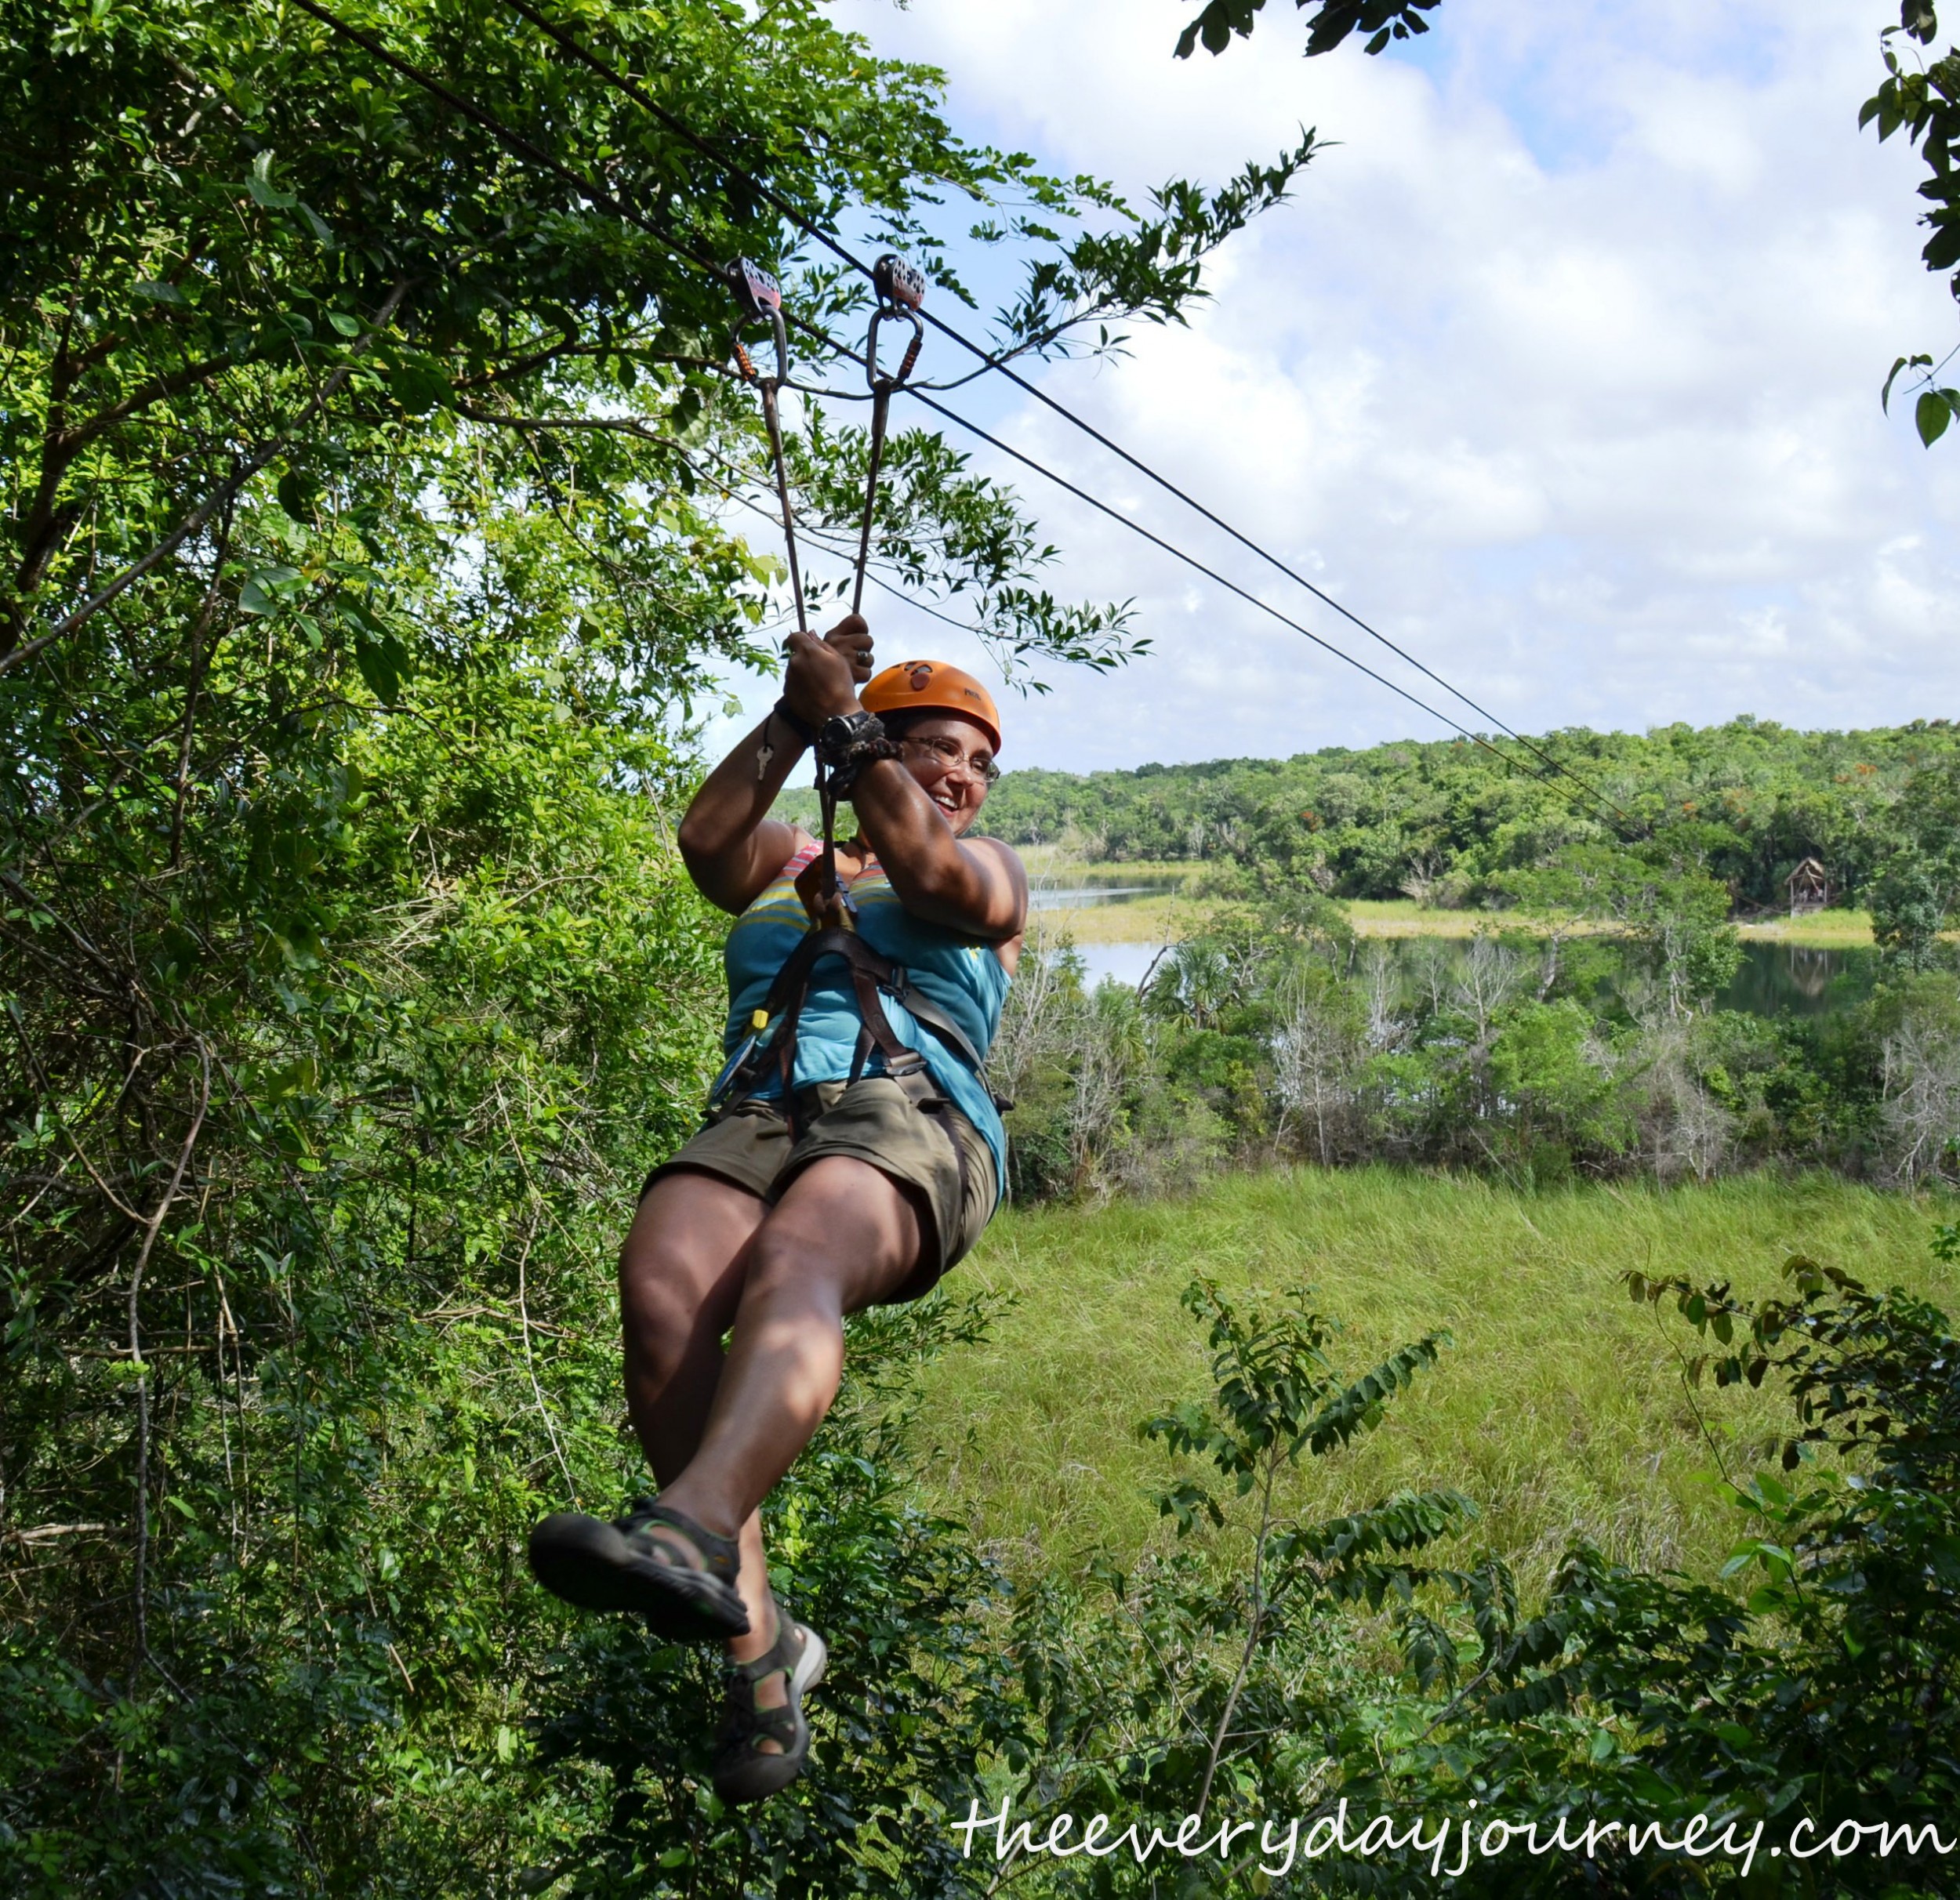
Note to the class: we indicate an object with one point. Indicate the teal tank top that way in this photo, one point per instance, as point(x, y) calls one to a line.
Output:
point(961, 974)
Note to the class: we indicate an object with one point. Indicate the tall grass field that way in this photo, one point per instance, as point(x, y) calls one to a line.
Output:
point(1564, 1409)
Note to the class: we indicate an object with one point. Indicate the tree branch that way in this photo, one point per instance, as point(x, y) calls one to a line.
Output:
point(193, 523)
point(150, 1229)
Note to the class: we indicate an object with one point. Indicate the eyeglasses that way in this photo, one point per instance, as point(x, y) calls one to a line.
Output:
point(948, 755)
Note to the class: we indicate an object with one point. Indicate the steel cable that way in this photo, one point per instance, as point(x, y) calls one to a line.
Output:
point(990, 361)
point(523, 147)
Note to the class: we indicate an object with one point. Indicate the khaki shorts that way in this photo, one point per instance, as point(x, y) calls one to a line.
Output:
point(871, 1120)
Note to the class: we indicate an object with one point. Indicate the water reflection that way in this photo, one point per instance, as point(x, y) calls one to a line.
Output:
point(1092, 892)
point(1800, 980)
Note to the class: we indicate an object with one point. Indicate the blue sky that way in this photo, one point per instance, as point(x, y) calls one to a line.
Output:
point(1560, 366)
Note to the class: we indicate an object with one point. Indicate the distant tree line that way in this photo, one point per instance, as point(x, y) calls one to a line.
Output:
point(1450, 822)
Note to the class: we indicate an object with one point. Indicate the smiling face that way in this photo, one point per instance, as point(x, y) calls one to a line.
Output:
point(948, 755)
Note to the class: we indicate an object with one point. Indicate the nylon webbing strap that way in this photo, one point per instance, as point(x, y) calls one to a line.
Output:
point(870, 974)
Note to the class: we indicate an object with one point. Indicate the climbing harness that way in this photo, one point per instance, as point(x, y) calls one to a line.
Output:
point(901, 289)
point(873, 977)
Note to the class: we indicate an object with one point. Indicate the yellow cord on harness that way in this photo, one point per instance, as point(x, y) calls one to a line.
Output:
point(760, 1021)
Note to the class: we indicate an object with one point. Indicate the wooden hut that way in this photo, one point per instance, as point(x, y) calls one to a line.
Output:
point(1809, 887)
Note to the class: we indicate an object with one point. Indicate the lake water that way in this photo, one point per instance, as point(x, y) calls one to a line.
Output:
point(1774, 979)
point(1796, 980)
point(1092, 892)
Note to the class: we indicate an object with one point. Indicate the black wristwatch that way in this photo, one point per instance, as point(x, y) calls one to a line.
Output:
point(839, 734)
point(847, 743)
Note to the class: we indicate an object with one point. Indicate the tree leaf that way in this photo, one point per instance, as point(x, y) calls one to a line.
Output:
point(385, 664)
point(1884, 395)
point(419, 385)
point(265, 588)
point(264, 192)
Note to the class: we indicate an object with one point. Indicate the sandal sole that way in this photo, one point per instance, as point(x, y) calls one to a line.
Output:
point(587, 1562)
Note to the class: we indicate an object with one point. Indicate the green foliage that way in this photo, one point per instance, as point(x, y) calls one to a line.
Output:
point(365, 561)
point(1917, 887)
point(1909, 907)
point(1211, 1670)
point(1818, 1680)
point(1813, 1681)
point(1276, 1394)
point(1382, 19)
point(1923, 100)
point(1536, 1058)
point(1739, 805)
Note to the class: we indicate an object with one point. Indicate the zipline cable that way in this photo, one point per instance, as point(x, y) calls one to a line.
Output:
point(1191, 561)
point(526, 148)
point(819, 537)
point(571, 44)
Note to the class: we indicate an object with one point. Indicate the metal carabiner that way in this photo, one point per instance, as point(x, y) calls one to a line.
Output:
point(901, 289)
point(758, 296)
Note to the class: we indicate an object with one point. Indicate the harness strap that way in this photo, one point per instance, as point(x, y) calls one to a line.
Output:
point(870, 974)
point(906, 1067)
point(923, 1010)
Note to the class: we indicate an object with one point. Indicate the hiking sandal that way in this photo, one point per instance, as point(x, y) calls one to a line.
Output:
point(742, 1771)
point(623, 1566)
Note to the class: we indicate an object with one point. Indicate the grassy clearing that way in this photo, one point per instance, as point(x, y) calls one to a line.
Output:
point(1046, 864)
point(1401, 917)
point(1165, 919)
point(1562, 1408)
point(1171, 916)
point(1404, 917)
point(1834, 929)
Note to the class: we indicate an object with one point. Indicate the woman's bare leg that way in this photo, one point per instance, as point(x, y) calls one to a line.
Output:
point(702, 1254)
point(680, 1275)
point(681, 1278)
point(843, 1237)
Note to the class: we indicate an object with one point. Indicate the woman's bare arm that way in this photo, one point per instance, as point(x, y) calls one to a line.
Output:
point(730, 844)
point(977, 887)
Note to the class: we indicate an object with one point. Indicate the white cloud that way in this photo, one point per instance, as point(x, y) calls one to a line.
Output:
point(1561, 368)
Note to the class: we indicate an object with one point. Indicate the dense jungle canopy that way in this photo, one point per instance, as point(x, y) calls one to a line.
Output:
point(1744, 802)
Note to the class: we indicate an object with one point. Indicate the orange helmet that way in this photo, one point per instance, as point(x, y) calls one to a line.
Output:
point(922, 686)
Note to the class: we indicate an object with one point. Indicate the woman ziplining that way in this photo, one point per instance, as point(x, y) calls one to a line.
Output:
point(859, 1184)
point(851, 1152)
